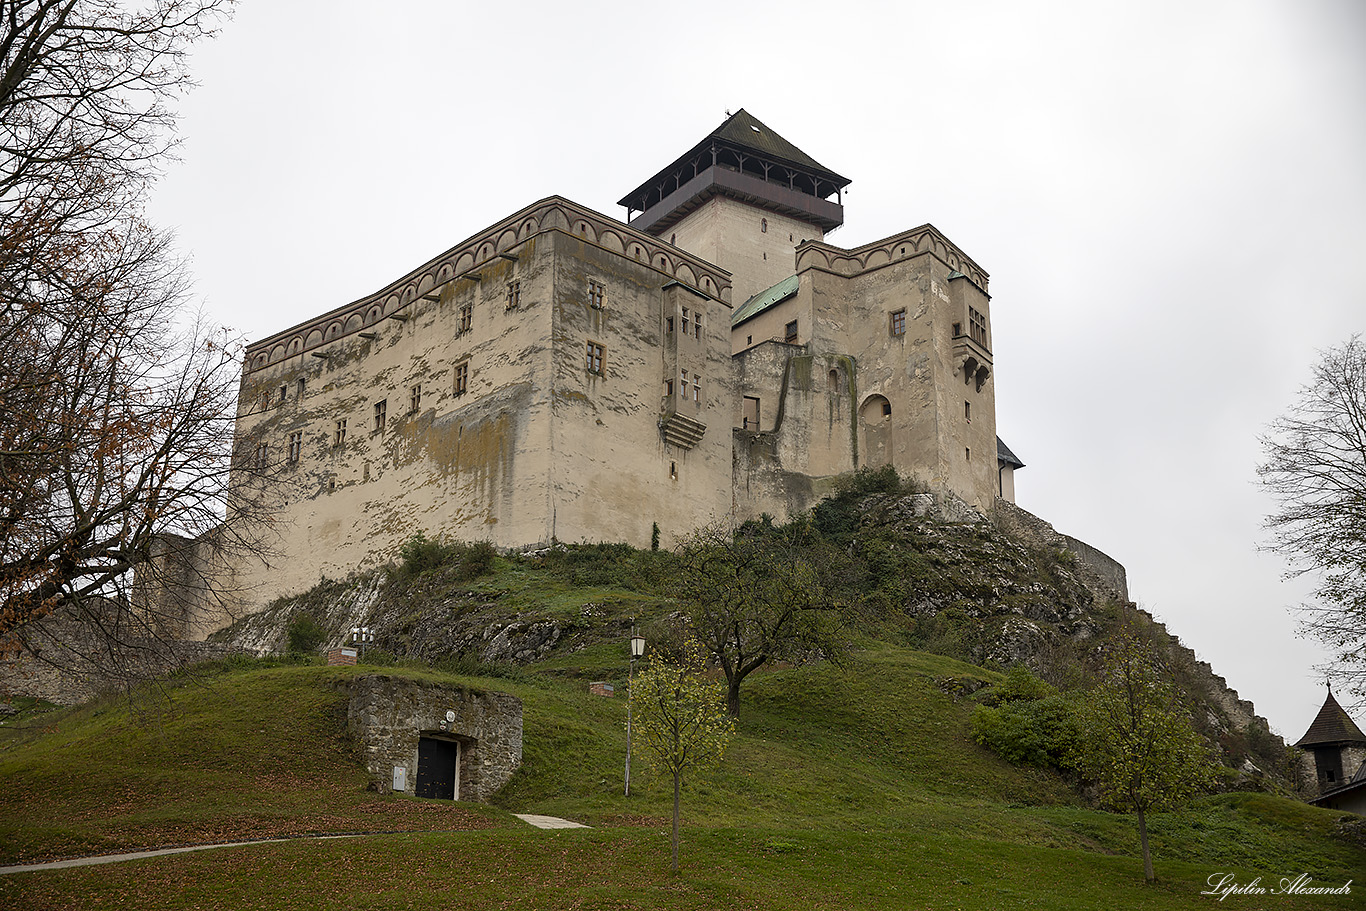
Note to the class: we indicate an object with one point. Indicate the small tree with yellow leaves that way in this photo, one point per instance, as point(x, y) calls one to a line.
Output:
point(682, 723)
point(1137, 743)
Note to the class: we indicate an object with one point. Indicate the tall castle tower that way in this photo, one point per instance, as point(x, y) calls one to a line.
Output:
point(743, 198)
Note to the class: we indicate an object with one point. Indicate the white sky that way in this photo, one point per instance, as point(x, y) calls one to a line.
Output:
point(1170, 198)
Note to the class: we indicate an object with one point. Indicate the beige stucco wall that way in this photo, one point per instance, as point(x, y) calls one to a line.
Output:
point(539, 447)
point(829, 425)
point(731, 234)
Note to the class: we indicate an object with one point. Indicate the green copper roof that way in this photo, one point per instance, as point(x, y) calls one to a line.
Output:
point(765, 299)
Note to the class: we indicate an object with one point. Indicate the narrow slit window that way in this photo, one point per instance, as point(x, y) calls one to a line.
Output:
point(967, 412)
point(300, 387)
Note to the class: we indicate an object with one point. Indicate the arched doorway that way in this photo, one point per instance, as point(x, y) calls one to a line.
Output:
point(875, 431)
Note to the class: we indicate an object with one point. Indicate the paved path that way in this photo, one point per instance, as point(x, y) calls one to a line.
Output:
point(549, 822)
point(540, 822)
point(138, 855)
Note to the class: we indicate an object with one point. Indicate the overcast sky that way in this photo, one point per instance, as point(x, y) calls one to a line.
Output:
point(1170, 199)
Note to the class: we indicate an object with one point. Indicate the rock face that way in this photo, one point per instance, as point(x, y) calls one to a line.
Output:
point(390, 716)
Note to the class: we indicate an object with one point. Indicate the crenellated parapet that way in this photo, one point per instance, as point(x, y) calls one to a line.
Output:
point(463, 261)
point(915, 242)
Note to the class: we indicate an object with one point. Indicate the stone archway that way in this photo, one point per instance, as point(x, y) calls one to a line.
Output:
point(875, 431)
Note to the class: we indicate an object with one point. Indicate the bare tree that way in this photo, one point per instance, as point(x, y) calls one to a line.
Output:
point(116, 405)
point(1316, 468)
point(759, 595)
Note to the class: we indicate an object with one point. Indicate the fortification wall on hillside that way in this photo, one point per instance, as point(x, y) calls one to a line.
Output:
point(1100, 572)
point(75, 662)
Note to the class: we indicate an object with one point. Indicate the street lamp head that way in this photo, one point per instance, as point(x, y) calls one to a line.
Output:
point(637, 646)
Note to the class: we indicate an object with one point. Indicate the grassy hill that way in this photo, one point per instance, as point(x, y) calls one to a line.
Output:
point(845, 788)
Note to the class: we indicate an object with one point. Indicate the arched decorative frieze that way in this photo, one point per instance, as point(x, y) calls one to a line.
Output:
point(611, 240)
point(277, 353)
point(877, 258)
point(553, 213)
point(296, 345)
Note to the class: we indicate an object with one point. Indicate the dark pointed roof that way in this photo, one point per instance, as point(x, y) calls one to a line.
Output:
point(744, 129)
point(1332, 725)
point(1005, 456)
point(756, 165)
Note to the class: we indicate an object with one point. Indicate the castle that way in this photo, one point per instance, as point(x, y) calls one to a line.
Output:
point(563, 375)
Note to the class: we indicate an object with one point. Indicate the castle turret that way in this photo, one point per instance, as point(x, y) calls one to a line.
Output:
point(1339, 751)
point(742, 198)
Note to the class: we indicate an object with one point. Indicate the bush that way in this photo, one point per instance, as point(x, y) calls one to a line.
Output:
point(1026, 722)
point(420, 554)
point(306, 634)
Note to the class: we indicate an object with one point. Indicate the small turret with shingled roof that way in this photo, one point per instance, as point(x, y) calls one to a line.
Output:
point(1337, 745)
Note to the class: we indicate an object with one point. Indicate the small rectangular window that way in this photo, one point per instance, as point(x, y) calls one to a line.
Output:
point(381, 412)
point(596, 292)
point(462, 377)
point(296, 445)
point(750, 421)
point(669, 325)
point(299, 388)
point(283, 389)
point(514, 295)
point(466, 318)
point(967, 412)
point(668, 387)
point(686, 331)
point(899, 322)
point(977, 327)
point(595, 358)
point(414, 399)
point(697, 324)
point(957, 329)
point(262, 455)
point(790, 332)
point(340, 437)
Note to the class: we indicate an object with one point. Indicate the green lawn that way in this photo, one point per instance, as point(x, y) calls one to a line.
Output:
point(845, 788)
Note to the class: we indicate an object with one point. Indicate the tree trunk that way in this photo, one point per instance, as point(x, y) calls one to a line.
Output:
point(1148, 874)
point(678, 780)
point(733, 696)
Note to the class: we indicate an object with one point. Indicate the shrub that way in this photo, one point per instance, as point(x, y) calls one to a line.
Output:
point(306, 634)
point(1027, 722)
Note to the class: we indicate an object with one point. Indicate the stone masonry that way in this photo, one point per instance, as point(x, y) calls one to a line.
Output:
point(389, 715)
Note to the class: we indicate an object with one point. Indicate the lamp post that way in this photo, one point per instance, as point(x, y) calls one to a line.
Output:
point(362, 635)
point(637, 649)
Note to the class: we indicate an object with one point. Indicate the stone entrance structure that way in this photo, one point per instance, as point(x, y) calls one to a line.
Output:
point(453, 743)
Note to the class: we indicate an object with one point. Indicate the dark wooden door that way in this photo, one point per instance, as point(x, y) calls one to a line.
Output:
point(436, 768)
